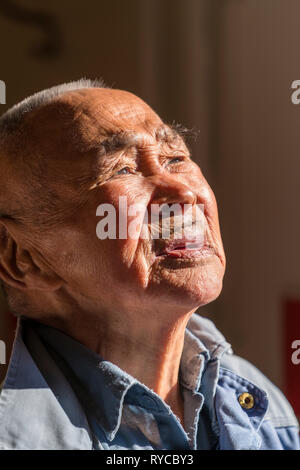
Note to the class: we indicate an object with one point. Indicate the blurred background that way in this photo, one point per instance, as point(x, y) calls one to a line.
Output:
point(224, 67)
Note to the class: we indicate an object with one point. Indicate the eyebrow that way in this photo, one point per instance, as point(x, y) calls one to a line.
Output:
point(122, 140)
point(116, 142)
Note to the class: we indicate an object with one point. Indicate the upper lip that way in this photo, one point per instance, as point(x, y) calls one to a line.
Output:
point(162, 246)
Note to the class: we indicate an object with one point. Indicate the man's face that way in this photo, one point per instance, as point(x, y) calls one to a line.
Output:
point(145, 162)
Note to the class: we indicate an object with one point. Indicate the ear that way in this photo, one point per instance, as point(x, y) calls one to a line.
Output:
point(22, 269)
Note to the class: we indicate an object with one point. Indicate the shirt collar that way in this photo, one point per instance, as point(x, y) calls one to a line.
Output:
point(193, 360)
point(103, 386)
point(106, 385)
point(100, 384)
point(203, 343)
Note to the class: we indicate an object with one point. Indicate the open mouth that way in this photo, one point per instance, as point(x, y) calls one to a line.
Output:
point(182, 248)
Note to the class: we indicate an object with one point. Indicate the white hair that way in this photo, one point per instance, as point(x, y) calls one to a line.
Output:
point(12, 118)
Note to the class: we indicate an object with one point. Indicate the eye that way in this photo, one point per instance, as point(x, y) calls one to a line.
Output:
point(175, 160)
point(124, 171)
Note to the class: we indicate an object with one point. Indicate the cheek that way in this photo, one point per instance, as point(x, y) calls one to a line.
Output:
point(132, 187)
point(134, 262)
point(129, 200)
point(123, 255)
point(126, 262)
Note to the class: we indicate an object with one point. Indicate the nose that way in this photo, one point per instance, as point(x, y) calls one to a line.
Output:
point(168, 190)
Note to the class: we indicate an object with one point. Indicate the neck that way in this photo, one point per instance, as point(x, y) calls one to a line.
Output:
point(146, 345)
point(148, 351)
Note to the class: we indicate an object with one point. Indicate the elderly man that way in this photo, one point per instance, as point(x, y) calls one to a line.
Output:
point(109, 352)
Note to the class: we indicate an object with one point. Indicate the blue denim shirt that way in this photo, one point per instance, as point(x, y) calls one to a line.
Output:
point(60, 395)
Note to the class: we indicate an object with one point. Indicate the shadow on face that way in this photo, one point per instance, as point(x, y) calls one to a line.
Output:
point(89, 148)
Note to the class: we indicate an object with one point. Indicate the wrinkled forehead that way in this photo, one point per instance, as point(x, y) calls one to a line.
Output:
point(111, 111)
point(82, 119)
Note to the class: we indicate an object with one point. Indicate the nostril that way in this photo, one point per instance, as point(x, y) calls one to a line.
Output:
point(173, 194)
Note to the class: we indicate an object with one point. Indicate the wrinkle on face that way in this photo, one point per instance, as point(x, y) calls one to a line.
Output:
point(80, 141)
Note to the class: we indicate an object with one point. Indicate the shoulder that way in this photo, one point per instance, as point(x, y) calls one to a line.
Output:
point(279, 413)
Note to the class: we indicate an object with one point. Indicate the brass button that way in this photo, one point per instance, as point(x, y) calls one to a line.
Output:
point(246, 400)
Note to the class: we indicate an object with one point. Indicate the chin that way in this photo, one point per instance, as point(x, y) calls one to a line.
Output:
point(190, 289)
point(208, 294)
point(194, 296)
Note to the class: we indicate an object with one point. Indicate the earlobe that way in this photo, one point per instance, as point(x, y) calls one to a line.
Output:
point(19, 269)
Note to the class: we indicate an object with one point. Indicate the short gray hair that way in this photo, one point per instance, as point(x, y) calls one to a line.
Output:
point(12, 118)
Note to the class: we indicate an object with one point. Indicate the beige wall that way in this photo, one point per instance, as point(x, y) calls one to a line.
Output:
point(259, 174)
